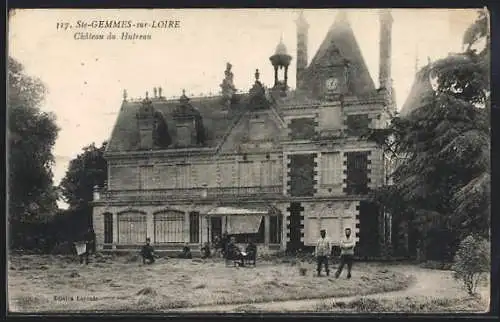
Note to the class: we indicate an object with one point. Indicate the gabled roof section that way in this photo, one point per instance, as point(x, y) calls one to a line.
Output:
point(217, 120)
point(421, 85)
point(341, 38)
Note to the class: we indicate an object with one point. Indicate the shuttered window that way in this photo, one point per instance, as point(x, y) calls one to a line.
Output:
point(357, 172)
point(275, 229)
point(194, 227)
point(108, 228)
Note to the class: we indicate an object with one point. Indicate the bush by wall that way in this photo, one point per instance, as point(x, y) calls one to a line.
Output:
point(472, 262)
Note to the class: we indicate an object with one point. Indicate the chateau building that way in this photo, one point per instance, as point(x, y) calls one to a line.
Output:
point(274, 165)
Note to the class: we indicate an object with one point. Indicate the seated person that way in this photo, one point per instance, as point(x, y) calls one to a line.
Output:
point(205, 251)
point(217, 245)
point(186, 253)
point(234, 253)
point(251, 251)
point(147, 253)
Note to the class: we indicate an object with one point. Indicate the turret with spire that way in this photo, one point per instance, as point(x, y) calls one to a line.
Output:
point(385, 77)
point(280, 60)
point(302, 43)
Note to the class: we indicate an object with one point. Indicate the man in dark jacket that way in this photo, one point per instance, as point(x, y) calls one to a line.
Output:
point(147, 253)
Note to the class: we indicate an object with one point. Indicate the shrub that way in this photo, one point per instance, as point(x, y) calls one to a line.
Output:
point(472, 261)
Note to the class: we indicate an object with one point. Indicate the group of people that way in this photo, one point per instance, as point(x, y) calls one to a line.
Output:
point(324, 249)
point(226, 247)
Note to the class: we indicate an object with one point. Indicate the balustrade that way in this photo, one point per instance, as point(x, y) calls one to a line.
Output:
point(191, 193)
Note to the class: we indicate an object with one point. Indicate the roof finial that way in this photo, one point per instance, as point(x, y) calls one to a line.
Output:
point(147, 95)
point(257, 75)
point(183, 92)
point(429, 60)
point(154, 91)
point(159, 91)
point(124, 94)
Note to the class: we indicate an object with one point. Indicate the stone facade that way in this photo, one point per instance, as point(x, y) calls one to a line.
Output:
point(293, 158)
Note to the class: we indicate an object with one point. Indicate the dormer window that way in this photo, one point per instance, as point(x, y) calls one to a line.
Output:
point(189, 125)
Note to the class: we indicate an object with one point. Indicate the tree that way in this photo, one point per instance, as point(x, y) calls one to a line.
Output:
point(472, 262)
point(31, 137)
point(443, 146)
point(87, 170)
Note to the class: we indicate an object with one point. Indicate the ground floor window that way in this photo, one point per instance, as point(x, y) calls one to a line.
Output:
point(108, 228)
point(169, 227)
point(275, 229)
point(132, 228)
point(194, 227)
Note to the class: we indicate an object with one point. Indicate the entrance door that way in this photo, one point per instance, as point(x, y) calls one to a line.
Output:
point(295, 227)
point(215, 227)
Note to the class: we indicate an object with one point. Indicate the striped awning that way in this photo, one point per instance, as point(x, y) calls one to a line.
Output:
point(243, 224)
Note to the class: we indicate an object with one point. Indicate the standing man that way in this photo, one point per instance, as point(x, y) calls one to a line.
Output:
point(323, 248)
point(346, 254)
point(147, 252)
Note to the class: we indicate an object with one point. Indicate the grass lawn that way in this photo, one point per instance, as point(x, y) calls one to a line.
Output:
point(408, 304)
point(59, 283)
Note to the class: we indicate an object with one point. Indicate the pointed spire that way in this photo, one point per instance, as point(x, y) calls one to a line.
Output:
point(281, 48)
point(257, 75)
point(301, 20)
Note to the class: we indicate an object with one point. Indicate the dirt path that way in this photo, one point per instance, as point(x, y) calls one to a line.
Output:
point(427, 283)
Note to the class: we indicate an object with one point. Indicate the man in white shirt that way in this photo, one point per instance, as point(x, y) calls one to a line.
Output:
point(323, 248)
point(347, 253)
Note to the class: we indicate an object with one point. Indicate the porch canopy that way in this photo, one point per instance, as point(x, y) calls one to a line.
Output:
point(240, 220)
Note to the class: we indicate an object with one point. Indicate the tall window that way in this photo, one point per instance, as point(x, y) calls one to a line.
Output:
point(302, 174)
point(131, 228)
point(194, 227)
point(108, 228)
point(169, 227)
point(357, 173)
point(275, 228)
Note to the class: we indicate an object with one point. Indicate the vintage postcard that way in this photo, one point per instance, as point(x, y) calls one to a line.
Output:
point(248, 160)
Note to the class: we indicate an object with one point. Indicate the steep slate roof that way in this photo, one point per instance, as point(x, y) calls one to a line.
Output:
point(217, 121)
point(342, 37)
point(421, 85)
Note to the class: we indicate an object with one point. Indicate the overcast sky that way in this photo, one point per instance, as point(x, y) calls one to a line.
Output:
point(85, 78)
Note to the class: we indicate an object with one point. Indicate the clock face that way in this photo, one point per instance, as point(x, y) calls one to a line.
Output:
point(332, 83)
